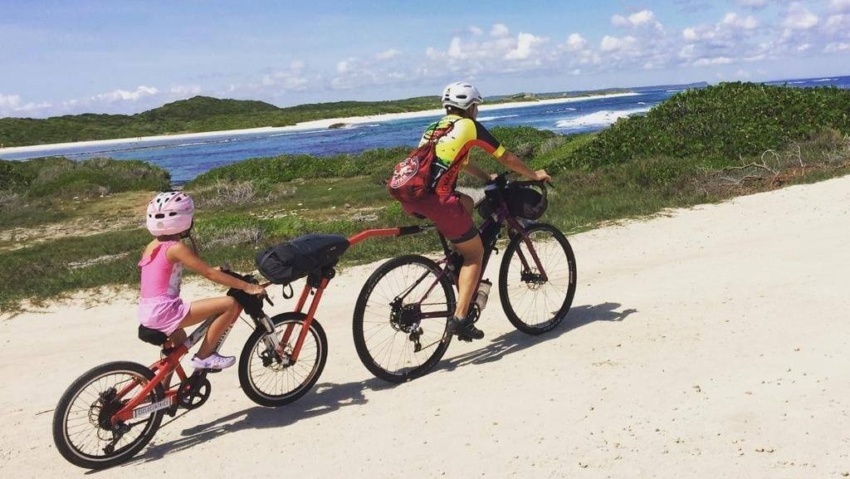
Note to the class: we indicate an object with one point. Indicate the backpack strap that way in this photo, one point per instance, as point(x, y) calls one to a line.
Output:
point(436, 133)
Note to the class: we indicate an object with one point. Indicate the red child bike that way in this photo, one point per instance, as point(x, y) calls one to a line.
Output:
point(111, 412)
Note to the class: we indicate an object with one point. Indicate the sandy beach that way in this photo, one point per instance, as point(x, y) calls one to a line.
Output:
point(709, 342)
point(308, 125)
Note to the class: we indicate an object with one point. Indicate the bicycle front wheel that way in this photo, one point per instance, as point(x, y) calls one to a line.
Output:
point(534, 300)
point(82, 422)
point(267, 373)
point(400, 318)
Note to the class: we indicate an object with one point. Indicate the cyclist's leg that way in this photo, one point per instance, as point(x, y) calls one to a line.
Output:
point(177, 337)
point(465, 239)
point(467, 202)
point(472, 251)
point(468, 244)
point(452, 215)
point(225, 308)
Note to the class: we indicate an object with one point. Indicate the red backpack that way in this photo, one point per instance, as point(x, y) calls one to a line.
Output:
point(412, 178)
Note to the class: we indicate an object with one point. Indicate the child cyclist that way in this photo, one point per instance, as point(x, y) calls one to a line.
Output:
point(169, 220)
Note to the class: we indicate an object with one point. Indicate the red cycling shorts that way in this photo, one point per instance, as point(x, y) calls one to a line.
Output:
point(448, 215)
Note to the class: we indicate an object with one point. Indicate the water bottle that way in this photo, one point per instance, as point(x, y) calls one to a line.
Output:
point(483, 294)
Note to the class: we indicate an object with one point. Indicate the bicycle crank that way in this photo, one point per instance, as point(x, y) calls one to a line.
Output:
point(194, 390)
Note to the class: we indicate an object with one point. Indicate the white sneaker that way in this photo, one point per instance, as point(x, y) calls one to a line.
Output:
point(214, 361)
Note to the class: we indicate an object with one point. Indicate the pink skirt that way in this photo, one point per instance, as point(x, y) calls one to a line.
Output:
point(162, 314)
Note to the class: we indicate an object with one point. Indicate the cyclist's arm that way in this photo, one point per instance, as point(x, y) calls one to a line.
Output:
point(491, 145)
point(477, 172)
point(513, 163)
point(182, 253)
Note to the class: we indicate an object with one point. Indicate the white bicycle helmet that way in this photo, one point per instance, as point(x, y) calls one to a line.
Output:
point(461, 95)
point(170, 213)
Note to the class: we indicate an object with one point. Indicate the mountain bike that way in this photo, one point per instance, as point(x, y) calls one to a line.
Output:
point(402, 312)
point(112, 411)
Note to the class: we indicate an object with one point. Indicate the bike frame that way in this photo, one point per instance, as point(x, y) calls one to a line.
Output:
point(502, 217)
point(163, 371)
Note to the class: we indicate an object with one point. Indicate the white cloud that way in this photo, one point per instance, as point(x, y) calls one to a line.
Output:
point(743, 23)
point(456, 50)
point(837, 25)
point(12, 105)
point(182, 91)
point(525, 47)
point(712, 61)
point(500, 30)
point(388, 54)
point(611, 44)
point(754, 4)
point(576, 42)
point(837, 47)
point(291, 78)
point(124, 95)
point(498, 52)
point(640, 19)
point(841, 6)
point(691, 34)
point(9, 102)
point(800, 18)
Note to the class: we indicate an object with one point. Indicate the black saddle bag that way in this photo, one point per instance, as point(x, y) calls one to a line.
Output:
point(292, 260)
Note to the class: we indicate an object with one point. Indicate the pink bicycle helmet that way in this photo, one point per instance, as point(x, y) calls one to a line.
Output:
point(170, 213)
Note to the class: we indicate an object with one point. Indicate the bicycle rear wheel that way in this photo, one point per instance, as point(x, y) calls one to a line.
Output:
point(82, 429)
point(533, 302)
point(400, 318)
point(266, 373)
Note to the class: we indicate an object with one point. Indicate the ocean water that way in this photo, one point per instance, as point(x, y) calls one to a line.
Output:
point(185, 159)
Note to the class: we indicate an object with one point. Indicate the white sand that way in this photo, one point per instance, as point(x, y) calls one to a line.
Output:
point(308, 125)
point(706, 343)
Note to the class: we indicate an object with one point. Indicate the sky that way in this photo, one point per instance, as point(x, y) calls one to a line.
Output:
point(128, 56)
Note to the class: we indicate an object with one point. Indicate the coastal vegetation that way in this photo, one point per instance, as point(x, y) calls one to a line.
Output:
point(69, 225)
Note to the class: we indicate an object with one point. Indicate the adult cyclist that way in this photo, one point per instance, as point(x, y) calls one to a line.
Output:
point(451, 211)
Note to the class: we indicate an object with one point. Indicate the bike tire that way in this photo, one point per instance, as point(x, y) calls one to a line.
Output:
point(531, 305)
point(77, 434)
point(266, 379)
point(384, 339)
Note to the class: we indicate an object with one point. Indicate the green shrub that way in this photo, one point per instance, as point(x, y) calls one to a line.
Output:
point(719, 124)
point(59, 177)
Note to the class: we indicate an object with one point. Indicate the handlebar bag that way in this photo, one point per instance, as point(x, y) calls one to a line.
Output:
point(525, 202)
point(292, 260)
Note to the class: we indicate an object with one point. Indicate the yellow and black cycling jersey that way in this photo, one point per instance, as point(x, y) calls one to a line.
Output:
point(452, 148)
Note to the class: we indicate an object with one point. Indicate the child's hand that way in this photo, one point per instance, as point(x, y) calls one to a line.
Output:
point(255, 289)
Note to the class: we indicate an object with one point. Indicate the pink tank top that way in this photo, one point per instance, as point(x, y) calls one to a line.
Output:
point(160, 277)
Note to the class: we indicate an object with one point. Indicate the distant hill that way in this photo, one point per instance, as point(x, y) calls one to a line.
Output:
point(204, 106)
point(197, 114)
